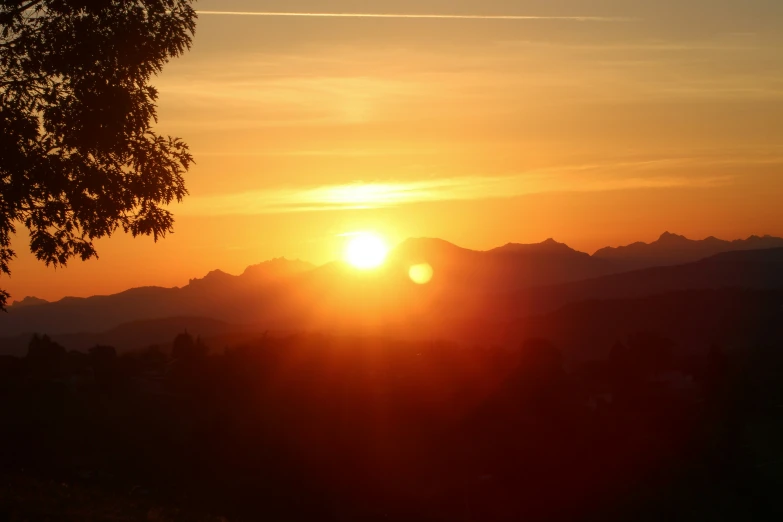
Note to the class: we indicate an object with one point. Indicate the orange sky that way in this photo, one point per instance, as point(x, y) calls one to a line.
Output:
point(651, 116)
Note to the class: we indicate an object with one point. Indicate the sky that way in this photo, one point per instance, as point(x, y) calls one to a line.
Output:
point(595, 122)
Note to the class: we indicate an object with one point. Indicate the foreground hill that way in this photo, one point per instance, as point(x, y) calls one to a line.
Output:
point(135, 335)
point(694, 320)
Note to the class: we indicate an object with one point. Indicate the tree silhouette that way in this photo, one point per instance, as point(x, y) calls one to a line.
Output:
point(78, 156)
point(103, 356)
point(185, 347)
point(45, 356)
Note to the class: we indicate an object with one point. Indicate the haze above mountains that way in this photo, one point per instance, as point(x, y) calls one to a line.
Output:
point(473, 294)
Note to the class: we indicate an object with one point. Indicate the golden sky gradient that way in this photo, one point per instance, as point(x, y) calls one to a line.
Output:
point(596, 122)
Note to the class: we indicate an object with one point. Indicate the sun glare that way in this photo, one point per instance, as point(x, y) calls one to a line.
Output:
point(366, 251)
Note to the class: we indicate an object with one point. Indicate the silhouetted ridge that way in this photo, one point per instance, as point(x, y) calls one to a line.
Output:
point(673, 249)
point(750, 269)
point(28, 301)
point(668, 237)
point(215, 276)
point(426, 246)
point(512, 266)
point(549, 246)
point(467, 287)
point(277, 267)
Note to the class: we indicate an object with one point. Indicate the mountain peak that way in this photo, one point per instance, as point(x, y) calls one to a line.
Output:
point(669, 237)
point(28, 301)
point(214, 275)
point(426, 241)
point(548, 245)
point(277, 267)
point(424, 247)
point(552, 244)
point(217, 274)
point(673, 249)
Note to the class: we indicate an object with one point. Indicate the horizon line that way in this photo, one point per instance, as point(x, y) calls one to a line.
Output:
point(317, 265)
point(416, 16)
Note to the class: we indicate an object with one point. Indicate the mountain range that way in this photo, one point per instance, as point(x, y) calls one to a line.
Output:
point(472, 295)
point(672, 249)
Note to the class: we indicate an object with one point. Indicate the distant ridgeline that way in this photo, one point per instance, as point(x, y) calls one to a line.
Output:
point(690, 291)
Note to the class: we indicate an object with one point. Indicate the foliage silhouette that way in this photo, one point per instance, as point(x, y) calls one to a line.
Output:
point(307, 427)
point(185, 347)
point(45, 356)
point(103, 355)
point(78, 156)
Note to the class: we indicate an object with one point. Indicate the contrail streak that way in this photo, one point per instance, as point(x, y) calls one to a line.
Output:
point(417, 16)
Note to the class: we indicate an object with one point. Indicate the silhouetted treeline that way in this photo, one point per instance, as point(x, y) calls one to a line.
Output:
point(337, 428)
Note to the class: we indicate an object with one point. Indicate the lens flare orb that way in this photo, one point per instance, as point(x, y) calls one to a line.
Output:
point(421, 274)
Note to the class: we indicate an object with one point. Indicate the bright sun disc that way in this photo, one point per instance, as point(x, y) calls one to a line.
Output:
point(366, 251)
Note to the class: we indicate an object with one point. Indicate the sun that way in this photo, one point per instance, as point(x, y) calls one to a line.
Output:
point(365, 251)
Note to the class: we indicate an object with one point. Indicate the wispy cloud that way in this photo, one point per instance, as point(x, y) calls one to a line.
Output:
point(418, 16)
point(356, 196)
point(347, 85)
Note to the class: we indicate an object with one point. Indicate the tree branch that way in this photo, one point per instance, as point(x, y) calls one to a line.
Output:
point(22, 8)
